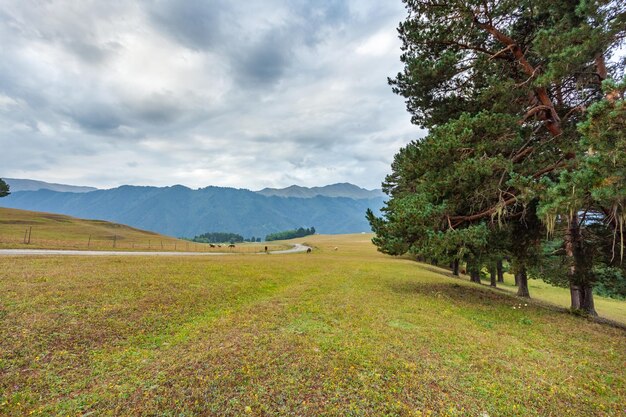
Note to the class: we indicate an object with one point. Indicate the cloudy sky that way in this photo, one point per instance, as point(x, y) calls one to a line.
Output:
point(200, 92)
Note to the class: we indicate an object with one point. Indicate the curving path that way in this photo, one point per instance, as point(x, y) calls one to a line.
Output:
point(56, 252)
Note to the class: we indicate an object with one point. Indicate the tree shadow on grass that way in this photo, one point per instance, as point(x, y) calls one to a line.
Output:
point(484, 296)
point(454, 292)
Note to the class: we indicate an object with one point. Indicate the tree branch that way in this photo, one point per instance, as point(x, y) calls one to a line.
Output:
point(552, 121)
point(455, 221)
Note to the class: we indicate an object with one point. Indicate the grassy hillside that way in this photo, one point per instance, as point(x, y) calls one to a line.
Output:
point(55, 231)
point(609, 308)
point(346, 332)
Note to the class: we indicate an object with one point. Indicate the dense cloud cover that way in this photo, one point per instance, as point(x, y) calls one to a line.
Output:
point(200, 92)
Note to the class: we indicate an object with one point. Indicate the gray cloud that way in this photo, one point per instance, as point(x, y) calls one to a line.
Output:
point(266, 61)
point(196, 24)
point(157, 92)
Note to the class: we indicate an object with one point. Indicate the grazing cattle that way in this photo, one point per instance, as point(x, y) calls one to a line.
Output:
point(308, 250)
point(211, 245)
point(231, 246)
point(266, 249)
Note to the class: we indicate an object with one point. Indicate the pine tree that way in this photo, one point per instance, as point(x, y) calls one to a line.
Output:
point(4, 188)
point(501, 86)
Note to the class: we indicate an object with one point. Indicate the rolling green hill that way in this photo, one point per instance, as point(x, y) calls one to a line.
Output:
point(55, 231)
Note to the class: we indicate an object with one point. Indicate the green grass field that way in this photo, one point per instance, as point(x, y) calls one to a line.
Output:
point(346, 332)
point(609, 308)
point(56, 231)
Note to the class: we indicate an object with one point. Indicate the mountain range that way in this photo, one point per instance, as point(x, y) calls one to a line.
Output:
point(343, 189)
point(19, 184)
point(183, 212)
point(334, 190)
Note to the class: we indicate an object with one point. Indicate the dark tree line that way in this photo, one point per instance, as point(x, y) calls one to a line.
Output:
point(524, 157)
point(291, 234)
point(4, 188)
point(218, 237)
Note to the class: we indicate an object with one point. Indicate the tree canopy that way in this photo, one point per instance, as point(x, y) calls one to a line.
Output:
point(525, 118)
point(291, 234)
point(4, 188)
point(218, 237)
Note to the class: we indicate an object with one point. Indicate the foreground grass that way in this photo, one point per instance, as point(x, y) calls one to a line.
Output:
point(337, 332)
point(56, 231)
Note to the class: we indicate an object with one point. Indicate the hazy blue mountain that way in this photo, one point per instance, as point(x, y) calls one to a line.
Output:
point(334, 190)
point(19, 184)
point(181, 211)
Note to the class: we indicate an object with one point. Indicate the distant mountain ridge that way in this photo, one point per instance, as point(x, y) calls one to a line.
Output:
point(20, 184)
point(180, 211)
point(344, 189)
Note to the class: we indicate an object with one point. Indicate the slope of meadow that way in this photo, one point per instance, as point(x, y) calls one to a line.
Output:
point(56, 231)
point(346, 332)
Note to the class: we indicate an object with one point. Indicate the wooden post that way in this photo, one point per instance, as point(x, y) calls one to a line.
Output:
point(114, 240)
point(174, 245)
point(161, 244)
point(30, 231)
point(25, 234)
point(89, 241)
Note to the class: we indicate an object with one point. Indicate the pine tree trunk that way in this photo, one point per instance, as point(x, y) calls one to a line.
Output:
point(500, 271)
point(492, 273)
point(581, 294)
point(474, 270)
point(522, 279)
point(455, 267)
point(587, 304)
point(570, 243)
point(575, 296)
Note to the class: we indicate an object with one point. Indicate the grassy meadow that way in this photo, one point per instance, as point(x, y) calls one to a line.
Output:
point(610, 308)
point(56, 231)
point(346, 332)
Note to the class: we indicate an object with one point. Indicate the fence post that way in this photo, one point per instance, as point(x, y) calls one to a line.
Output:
point(114, 240)
point(25, 234)
point(89, 241)
point(30, 231)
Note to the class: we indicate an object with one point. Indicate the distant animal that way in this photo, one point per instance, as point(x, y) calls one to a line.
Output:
point(231, 246)
point(211, 245)
point(266, 249)
point(308, 250)
point(336, 248)
point(463, 271)
point(219, 246)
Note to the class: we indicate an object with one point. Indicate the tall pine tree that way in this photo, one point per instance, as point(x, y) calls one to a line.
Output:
point(502, 87)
